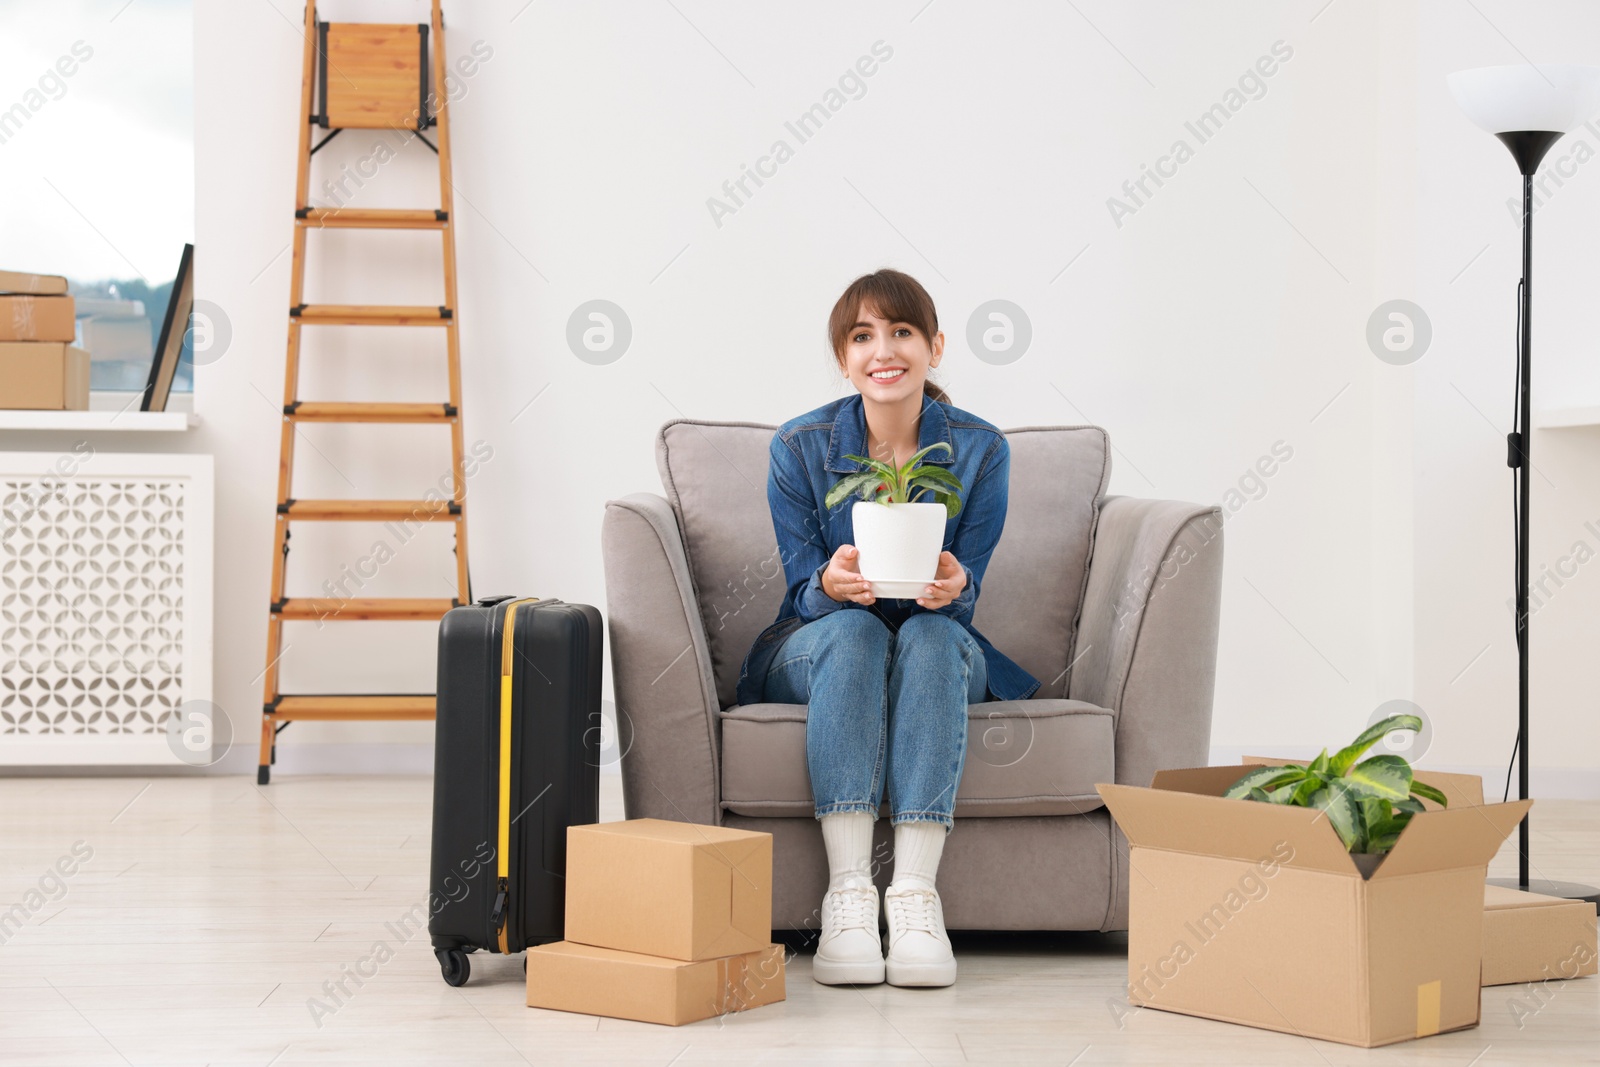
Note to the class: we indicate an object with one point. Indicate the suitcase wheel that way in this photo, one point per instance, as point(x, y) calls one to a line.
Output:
point(454, 966)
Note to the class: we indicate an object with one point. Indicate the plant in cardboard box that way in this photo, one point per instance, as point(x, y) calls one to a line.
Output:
point(899, 521)
point(1368, 803)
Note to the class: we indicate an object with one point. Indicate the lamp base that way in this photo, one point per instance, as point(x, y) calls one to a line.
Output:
point(1568, 890)
point(1528, 146)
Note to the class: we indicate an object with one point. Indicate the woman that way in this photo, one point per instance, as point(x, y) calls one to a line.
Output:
point(886, 682)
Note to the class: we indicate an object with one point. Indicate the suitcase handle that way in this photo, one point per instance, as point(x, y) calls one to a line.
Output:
point(491, 601)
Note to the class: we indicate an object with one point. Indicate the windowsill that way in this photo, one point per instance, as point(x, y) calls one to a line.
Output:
point(107, 411)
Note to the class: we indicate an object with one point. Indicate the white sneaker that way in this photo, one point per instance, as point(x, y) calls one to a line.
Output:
point(849, 951)
point(919, 948)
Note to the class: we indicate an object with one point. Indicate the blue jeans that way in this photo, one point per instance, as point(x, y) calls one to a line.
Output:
point(879, 703)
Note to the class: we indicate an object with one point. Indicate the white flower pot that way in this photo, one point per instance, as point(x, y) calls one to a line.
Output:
point(899, 542)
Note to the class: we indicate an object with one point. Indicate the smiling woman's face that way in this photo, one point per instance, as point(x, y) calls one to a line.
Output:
point(888, 361)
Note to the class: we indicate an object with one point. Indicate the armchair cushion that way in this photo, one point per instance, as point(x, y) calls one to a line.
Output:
point(1024, 757)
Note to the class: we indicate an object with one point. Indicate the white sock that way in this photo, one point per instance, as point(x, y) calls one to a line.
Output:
point(847, 836)
point(917, 848)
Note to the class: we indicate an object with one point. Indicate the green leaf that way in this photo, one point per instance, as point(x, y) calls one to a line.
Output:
point(1306, 790)
point(917, 457)
point(1381, 836)
point(940, 495)
point(1320, 763)
point(936, 473)
point(851, 485)
point(1257, 793)
point(947, 485)
point(933, 485)
point(1382, 842)
point(1375, 811)
point(883, 469)
point(1381, 776)
point(1369, 737)
point(1410, 805)
point(1285, 793)
point(1386, 827)
point(1262, 777)
point(1340, 806)
point(1428, 792)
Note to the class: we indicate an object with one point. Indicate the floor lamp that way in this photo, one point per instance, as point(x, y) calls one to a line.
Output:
point(1528, 108)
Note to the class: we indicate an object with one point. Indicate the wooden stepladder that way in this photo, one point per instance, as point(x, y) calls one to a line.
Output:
point(364, 76)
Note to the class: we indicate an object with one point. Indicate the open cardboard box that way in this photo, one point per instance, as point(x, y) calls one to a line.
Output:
point(1257, 914)
point(1527, 937)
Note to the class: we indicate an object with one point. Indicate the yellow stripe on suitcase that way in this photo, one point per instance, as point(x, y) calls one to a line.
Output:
point(503, 851)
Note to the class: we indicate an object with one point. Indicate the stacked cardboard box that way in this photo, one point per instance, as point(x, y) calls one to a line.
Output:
point(39, 368)
point(666, 922)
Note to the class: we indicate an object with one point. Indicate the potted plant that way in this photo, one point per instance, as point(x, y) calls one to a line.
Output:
point(1368, 803)
point(899, 520)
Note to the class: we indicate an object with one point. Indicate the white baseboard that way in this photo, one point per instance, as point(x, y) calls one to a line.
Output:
point(340, 758)
point(320, 759)
point(363, 759)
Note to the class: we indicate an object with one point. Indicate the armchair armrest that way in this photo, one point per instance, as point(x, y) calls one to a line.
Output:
point(665, 692)
point(1147, 640)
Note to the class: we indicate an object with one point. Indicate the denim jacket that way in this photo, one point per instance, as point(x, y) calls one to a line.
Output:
point(807, 457)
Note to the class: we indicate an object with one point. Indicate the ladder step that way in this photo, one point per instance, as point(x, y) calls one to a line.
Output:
point(340, 706)
point(329, 411)
point(357, 609)
point(373, 218)
point(442, 509)
point(370, 315)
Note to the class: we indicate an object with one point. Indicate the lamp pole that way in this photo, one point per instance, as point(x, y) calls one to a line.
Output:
point(1527, 107)
point(1524, 461)
point(1528, 148)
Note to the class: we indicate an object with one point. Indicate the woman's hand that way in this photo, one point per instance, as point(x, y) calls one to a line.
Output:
point(948, 581)
point(842, 579)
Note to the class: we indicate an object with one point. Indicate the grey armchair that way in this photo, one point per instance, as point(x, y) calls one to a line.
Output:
point(1111, 602)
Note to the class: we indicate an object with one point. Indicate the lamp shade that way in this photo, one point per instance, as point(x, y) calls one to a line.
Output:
point(1555, 97)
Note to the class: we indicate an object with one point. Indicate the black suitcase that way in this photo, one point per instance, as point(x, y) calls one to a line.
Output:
point(516, 761)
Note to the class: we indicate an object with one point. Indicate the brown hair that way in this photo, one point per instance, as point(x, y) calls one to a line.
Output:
point(892, 295)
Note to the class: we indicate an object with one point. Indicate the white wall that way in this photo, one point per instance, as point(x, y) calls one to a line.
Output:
point(1228, 313)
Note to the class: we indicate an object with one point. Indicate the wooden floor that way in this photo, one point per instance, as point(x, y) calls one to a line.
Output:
point(210, 913)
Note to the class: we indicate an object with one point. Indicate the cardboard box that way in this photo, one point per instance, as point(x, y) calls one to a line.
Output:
point(1257, 914)
point(37, 318)
point(1527, 937)
point(681, 890)
point(17, 281)
point(652, 989)
point(45, 375)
